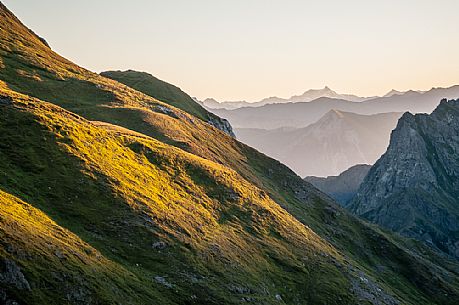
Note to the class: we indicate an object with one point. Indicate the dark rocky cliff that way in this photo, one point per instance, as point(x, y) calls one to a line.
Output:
point(413, 188)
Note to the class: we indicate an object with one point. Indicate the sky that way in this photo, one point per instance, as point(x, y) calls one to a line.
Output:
point(252, 49)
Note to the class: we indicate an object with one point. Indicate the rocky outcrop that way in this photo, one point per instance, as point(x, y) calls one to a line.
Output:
point(11, 275)
point(342, 188)
point(221, 124)
point(5, 100)
point(413, 188)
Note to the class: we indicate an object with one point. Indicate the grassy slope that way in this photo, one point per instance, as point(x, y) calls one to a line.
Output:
point(219, 229)
point(160, 90)
point(30, 67)
point(51, 257)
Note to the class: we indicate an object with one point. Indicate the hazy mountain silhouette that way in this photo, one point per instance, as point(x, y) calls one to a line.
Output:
point(328, 147)
point(307, 96)
point(302, 114)
point(343, 187)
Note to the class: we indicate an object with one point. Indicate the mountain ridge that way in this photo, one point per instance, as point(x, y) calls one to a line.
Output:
point(170, 94)
point(419, 175)
point(299, 115)
point(307, 96)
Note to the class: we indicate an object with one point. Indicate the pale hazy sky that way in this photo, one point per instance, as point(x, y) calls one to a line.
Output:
point(250, 49)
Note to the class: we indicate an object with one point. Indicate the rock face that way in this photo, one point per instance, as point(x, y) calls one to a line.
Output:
point(221, 124)
point(343, 187)
point(413, 188)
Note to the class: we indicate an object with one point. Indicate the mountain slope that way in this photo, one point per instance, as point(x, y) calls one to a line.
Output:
point(336, 142)
point(156, 211)
point(167, 227)
point(167, 93)
point(185, 213)
point(413, 188)
point(343, 187)
point(299, 115)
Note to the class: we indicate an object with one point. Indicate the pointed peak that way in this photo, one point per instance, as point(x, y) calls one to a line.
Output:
point(334, 114)
point(393, 92)
point(210, 100)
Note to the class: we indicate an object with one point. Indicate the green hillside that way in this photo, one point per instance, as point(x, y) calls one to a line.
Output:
point(160, 90)
point(110, 196)
point(150, 209)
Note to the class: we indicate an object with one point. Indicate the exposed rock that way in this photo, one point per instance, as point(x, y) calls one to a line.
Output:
point(366, 290)
point(221, 124)
point(342, 188)
point(165, 110)
point(239, 289)
point(162, 280)
point(59, 254)
point(5, 100)
point(413, 188)
point(78, 295)
point(6, 299)
point(159, 245)
point(11, 274)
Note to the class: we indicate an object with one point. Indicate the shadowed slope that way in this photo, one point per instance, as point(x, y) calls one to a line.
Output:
point(344, 186)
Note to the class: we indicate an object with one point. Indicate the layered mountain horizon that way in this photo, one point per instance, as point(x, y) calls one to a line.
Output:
point(272, 116)
point(337, 141)
point(308, 96)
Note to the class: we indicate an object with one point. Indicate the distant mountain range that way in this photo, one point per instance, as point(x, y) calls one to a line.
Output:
point(336, 142)
point(307, 96)
point(343, 187)
point(413, 188)
point(301, 114)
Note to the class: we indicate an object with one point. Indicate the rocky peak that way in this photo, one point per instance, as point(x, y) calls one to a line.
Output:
point(335, 114)
point(326, 91)
point(414, 187)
